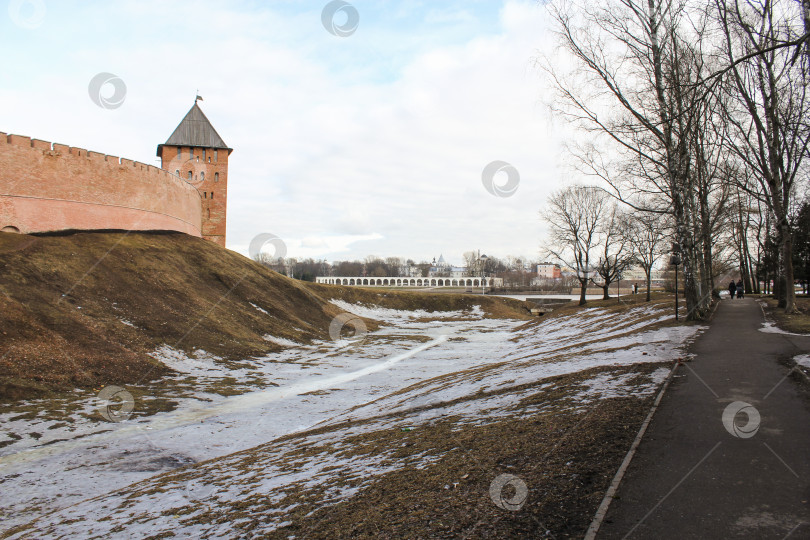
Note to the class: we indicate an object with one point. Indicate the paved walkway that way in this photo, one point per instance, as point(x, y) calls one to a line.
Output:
point(691, 476)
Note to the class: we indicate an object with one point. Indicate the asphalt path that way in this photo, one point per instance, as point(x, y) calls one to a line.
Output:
point(727, 454)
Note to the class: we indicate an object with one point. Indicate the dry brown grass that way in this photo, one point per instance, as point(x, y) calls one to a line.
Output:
point(63, 300)
point(797, 323)
point(564, 453)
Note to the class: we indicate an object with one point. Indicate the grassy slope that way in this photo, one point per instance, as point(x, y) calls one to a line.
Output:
point(63, 300)
point(566, 456)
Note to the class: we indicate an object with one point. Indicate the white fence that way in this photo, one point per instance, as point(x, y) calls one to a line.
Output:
point(411, 282)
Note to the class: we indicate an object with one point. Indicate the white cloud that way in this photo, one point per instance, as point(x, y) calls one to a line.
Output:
point(317, 247)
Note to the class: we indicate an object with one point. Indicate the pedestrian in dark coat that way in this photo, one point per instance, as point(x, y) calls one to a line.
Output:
point(740, 289)
point(732, 289)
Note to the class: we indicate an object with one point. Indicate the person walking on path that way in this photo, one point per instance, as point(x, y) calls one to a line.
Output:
point(732, 289)
point(740, 289)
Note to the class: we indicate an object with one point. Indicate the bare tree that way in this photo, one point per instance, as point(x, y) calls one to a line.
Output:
point(768, 115)
point(574, 216)
point(470, 261)
point(394, 265)
point(614, 253)
point(648, 237)
point(634, 88)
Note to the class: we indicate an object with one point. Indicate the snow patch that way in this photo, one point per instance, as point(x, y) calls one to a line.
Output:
point(769, 327)
point(414, 364)
point(202, 365)
point(803, 360)
point(258, 308)
point(281, 341)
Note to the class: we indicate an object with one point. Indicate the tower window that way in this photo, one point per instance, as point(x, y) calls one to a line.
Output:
point(203, 154)
point(179, 152)
point(205, 194)
point(215, 155)
point(216, 177)
point(202, 176)
point(191, 153)
point(190, 176)
point(212, 194)
point(177, 172)
point(209, 213)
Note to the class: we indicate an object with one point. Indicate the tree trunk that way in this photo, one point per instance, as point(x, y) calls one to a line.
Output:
point(582, 290)
point(677, 169)
point(787, 292)
point(746, 279)
point(648, 272)
point(754, 282)
point(806, 15)
point(605, 292)
point(691, 287)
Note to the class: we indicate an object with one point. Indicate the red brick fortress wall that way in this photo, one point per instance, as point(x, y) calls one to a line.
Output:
point(50, 187)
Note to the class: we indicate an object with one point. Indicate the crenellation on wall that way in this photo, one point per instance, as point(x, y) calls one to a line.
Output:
point(19, 140)
point(70, 188)
point(42, 145)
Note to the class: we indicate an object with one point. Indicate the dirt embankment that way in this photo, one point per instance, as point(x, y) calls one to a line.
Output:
point(86, 309)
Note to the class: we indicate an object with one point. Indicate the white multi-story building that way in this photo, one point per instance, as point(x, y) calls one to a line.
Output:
point(548, 271)
point(458, 271)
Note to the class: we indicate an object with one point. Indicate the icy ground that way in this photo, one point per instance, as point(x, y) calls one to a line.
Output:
point(62, 462)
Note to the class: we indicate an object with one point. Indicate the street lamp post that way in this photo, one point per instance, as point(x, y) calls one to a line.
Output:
point(483, 259)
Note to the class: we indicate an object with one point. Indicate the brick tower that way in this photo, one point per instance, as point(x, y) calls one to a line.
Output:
point(196, 153)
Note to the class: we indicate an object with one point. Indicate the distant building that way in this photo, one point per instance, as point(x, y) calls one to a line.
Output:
point(442, 268)
point(458, 271)
point(636, 273)
point(548, 271)
point(410, 270)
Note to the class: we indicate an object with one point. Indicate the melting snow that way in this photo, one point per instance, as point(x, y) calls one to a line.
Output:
point(417, 361)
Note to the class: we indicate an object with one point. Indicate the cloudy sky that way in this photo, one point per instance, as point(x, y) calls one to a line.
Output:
point(372, 143)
